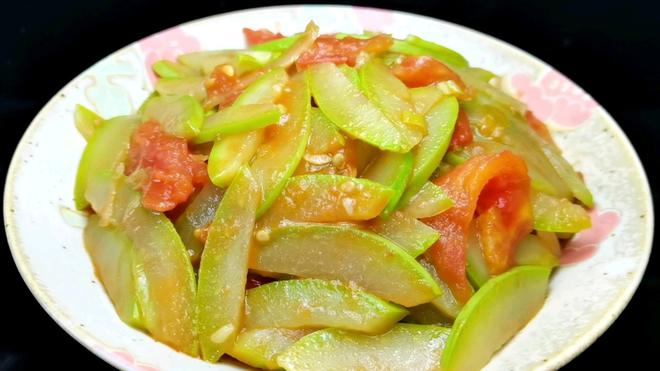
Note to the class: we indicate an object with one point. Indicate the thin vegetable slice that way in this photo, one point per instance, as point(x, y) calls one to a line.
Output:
point(86, 121)
point(238, 119)
point(409, 233)
point(393, 98)
point(425, 97)
point(550, 171)
point(430, 201)
point(446, 303)
point(533, 250)
point(277, 45)
point(351, 74)
point(477, 269)
point(191, 85)
point(568, 174)
point(232, 152)
point(343, 50)
point(414, 45)
point(405, 347)
point(197, 216)
point(278, 158)
point(206, 61)
point(172, 70)
point(558, 215)
point(302, 44)
point(102, 164)
point(496, 312)
point(224, 265)
point(114, 260)
point(327, 198)
point(344, 104)
point(260, 347)
point(349, 255)
point(560, 165)
point(392, 170)
point(475, 82)
point(181, 116)
point(168, 304)
point(314, 303)
point(324, 137)
point(428, 154)
point(265, 89)
point(284, 60)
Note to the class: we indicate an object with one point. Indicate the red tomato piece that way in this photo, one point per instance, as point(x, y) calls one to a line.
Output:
point(260, 36)
point(172, 171)
point(462, 132)
point(422, 71)
point(495, 188)
point(328, 48)
point(223, 86)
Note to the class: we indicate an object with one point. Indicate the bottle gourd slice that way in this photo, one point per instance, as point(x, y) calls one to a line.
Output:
point(441, 120)
point(431, 200)
point(327, 199)
point(553, 214)
point(392, 170)
point(314, 303)
point(345, 105)
point(102, 164)
point(260, 347)
point(181, 116)
point(494, 315)
point(278, 158)
point(407, 232)
point(405, 347)
point(198, 214)
point(168, 304)
point(393, 98)
point(238, 119)
point(223, 267)
point(113, 255)
point(86, 121)
point(347, 254)
point(231, 152)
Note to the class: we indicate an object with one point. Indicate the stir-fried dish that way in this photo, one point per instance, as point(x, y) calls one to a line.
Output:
point(327, 202)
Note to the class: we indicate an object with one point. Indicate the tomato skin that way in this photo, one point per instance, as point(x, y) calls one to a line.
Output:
point(462, 132)
point(327, 48)
point(496, 188)
point(172, 172)
point(418, 71)
point(260, 36)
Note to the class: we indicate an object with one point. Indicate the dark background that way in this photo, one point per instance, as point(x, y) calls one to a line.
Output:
point(610, 48)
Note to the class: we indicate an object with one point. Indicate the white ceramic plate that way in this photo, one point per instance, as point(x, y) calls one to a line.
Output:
point(602, 266)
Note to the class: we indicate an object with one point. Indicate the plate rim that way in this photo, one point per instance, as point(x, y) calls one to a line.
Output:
point(555, 361)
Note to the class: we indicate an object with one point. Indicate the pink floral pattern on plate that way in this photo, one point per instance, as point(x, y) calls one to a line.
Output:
point(585, 244)
point(554, 99)
point(166, 45)
point(374, 19)
point(127, 361)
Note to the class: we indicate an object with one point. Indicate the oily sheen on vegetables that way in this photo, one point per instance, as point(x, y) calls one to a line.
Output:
point(327, 202)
